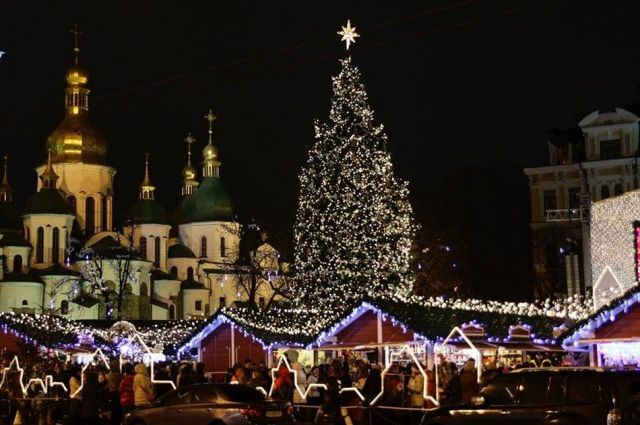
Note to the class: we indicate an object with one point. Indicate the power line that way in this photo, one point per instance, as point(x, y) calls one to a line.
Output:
point(288, 67)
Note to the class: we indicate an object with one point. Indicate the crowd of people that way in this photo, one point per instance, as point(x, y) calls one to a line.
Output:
point(102, 395)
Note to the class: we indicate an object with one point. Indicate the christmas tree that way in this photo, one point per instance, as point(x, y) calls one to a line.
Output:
point(354, 225)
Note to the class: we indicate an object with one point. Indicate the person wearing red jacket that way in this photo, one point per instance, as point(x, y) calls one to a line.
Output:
point(127, 397)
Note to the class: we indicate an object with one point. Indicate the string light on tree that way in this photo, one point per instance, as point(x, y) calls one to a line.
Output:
point(354, 225)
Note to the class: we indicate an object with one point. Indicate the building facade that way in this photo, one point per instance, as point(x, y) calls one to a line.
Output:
point(595, 162)
point(61, 255)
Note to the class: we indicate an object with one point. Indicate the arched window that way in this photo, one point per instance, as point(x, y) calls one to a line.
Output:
point(17, 264)
point(172, 312)
point(604, 192)
point(90, 212)
point(223, 248)
point(156, 260)
point(64, 307)
point(203, 247)
point(103, 208)
point(40, 246)
point(190, 273)
point(55, 248)
point(143, 247)
point(174, 271)
point(25, 302)
point(73, 203)
point(618, 189)
point(143, 289)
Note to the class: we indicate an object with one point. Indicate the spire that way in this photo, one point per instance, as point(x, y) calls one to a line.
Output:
point(49, 176)
point(77, 95)
point(76, 45)
point(189, 183)
point(210, 165)
point(146, 187)
point(5, 188)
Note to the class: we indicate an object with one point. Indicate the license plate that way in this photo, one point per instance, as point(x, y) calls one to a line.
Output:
point(274, 414)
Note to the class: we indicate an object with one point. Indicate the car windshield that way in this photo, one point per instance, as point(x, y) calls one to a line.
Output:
point(501, 390)
point(239, 394)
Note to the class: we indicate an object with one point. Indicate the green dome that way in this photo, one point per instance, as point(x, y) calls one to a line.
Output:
point(147, 211)
point(13, 239)
point(47, 201)
point(209, 203)
point(180, 251)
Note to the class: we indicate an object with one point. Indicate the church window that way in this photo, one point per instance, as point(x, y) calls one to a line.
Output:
point(223, 247)
point(25, 302)
point(64, 307)
point(199, 305)
point(55, 249)
point(17, 264)
point(174, 271)
point(143, 247)
point(223, 302)
point(28, 233)
point(190, 273)
point(618, 189)
point(72, 203)
point(103, 208)
point(604, 192)
point(261, 302)
point(40, 246)
point(156, 260)
point(143, 289)
point(203, 247)
point(172, 312)
point(90, 227)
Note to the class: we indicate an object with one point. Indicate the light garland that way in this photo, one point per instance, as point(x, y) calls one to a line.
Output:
point(614, 245)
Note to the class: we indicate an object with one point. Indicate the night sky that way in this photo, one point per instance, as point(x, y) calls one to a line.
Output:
point(457, 84)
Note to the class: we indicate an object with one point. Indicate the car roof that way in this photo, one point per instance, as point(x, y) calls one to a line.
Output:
point(557, 369)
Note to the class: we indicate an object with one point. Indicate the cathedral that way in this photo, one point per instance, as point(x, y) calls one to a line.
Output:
point(60, 253)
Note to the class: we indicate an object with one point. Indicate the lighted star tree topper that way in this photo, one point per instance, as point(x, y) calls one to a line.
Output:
point(348, 34)
point(354, 224)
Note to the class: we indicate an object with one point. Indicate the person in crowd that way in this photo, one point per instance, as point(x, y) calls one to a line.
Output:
point(184, 376)
point(393, 386)
point(142, 391)
point(161, 374)
point(198, 376)
point(283, 386)
point(314, 394)
point(301, 379)
point(415, 387)
point(238, 374)
point(469, 381)
point(104, 407)
point(114, 377)
point(127, 396)
point(258, 380)
point(90, 398)
point(546, 363)
point(75, 394)
point(451, 390)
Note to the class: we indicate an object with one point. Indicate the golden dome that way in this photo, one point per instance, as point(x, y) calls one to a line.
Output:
point(76, 76)
point(189, 173)
point(75, 139)
point(210, 152)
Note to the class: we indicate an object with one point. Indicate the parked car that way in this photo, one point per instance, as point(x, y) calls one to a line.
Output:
point(213, 404)
point(567, 396)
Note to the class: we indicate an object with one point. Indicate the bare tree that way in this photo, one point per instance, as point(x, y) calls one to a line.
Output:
point(114, 255)
point(259, 270)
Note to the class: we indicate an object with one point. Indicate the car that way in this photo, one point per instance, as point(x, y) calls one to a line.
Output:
point(562, 396)
point(213, 404)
